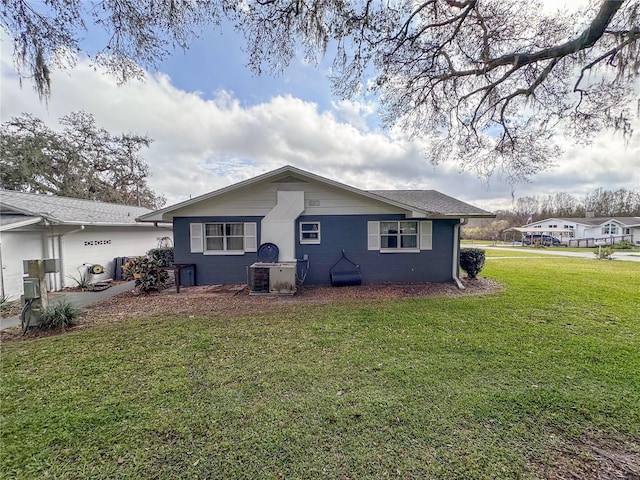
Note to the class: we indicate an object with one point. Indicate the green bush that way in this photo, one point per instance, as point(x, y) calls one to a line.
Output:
point(163, 255)
point(147, 273)
point(623, 245)
point(5, 303)
point(61, 315)
point(472, 261)
point(604, 253)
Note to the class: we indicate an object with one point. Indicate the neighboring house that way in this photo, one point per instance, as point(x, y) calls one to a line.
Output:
point(80, 233)
point(393, 235)
point(588, 231)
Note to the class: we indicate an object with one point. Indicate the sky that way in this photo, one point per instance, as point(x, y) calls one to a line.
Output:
point(215, 123)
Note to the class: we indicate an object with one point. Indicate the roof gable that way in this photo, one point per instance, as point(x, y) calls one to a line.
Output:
point(421, 203)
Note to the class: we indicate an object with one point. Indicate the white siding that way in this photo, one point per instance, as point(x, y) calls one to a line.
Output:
point(18, 246)
point(100, 245)
point(259, 199)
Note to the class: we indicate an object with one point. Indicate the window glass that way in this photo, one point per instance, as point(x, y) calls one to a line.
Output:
point(310, 232)
point(398, 235)
point(215, 243)
point(214, 229)
point(224, 236)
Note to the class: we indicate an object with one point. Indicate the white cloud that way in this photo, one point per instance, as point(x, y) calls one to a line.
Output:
point(201, 145)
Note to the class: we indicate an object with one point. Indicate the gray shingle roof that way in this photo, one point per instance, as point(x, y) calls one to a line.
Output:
point(69, 210)
point(432, 201)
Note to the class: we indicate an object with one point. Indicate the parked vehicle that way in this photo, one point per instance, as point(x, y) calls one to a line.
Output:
point(545, 240)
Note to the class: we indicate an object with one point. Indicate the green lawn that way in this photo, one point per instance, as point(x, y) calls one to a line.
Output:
point(501, 386)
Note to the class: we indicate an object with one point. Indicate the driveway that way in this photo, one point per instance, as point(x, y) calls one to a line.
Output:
point(78, 299)
point(559, 251)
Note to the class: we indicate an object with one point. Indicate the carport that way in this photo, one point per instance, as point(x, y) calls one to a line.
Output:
point(564, 233)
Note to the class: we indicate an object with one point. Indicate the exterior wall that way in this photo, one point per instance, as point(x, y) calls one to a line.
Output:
point(18, 246)
point(212, 269)
point(93, 245)
point(100, 245)
point(259, 199)
point(338, 232)
point(349, 232)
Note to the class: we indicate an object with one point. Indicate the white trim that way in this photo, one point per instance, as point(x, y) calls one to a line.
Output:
point(250, 237)
point(426, 235)
point(373, 235)
point(196, 238)
point(399, 250)
point(310, 241)
point(224, 252)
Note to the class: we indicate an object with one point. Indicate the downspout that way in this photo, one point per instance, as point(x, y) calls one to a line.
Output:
point(62, 276)
point(1, 273)
point(455, 268)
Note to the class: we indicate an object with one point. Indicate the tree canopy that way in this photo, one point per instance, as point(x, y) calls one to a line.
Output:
point(80, 161)
point(490, 83)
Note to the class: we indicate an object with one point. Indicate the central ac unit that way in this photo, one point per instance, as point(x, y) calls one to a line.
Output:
point(272, 278)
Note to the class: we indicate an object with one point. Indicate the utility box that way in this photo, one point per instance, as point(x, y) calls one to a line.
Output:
point(31, 288)
point(51, 265)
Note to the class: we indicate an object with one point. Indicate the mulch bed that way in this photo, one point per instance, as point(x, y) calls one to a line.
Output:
point(220, 300)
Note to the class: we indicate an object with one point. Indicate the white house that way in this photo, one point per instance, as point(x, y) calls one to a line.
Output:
point(80, 233)
point(588, 231)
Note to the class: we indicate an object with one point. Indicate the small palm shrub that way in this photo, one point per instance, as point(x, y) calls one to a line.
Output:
point(472, 261)
point(61, 315)
point(82, 281)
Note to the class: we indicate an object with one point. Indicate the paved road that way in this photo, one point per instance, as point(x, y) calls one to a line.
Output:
point(559, 251)
point(79, 299)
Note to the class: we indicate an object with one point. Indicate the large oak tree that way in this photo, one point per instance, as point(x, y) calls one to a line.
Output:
point(80, 161)
point(491, 83)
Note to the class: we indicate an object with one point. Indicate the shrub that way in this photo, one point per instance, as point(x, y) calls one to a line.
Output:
point(146, 273)
point(61, 315)
point(82, 282)
point(623, 245)
point(164, 255)
point(472, 261)
point(5, 303)
point(604, 253)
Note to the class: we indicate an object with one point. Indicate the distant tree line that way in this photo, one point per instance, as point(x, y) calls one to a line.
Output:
point(599, 203)
point(82, 160)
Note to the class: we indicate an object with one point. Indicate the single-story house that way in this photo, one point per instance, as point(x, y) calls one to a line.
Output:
point(80, 233)
point(588, 231)
point(391, 235)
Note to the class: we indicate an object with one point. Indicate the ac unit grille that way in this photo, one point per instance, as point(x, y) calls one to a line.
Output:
point(259, 279)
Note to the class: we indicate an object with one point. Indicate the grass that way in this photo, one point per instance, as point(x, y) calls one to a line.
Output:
point(485, 387)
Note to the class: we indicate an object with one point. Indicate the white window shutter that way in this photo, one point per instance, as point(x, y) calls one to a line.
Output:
point(196, 238)
point(426, 235)
point(373, 235)
point(251, 237)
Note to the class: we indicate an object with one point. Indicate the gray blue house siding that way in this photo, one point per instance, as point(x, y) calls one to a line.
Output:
point(212, 269)
point(349, 232)
point(338, 232)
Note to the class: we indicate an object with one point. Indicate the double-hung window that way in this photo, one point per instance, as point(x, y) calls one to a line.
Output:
point(403, 235)
point(391, 236)
point(227, 237)
point(309, 232)
point(223, 238)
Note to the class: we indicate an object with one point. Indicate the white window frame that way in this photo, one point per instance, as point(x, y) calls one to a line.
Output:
point(610, 228)
point(306, 240)
point(424, 236)
point(198, 238)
